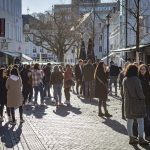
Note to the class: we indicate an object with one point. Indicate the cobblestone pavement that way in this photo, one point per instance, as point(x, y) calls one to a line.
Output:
point(69, 128)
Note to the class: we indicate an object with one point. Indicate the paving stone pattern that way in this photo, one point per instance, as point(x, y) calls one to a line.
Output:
point(68, 128)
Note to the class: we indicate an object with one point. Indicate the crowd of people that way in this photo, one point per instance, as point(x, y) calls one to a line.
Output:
point(20, 85)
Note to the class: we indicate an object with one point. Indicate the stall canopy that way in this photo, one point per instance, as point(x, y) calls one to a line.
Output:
point(26, 58)
point(129, 49)
point(11, 53)
point(110, 55)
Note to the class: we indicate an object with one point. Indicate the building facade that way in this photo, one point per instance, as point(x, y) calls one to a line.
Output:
point(31, 47)
point(92, 26)
point(123, 31)
point(10, 30)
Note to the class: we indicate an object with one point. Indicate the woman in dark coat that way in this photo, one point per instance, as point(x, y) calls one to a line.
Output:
point(144, 77)
point(101, 88)
point(3, 91)
point(134, 101)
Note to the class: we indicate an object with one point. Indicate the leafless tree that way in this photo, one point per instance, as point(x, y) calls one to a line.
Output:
point(136, 12)
point(53, 32)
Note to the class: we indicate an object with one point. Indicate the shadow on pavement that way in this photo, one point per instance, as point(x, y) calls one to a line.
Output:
point(115, 125)
point(136, 147)
point(65, 110)
point(37, 111)
point(87, 101)
point(49, 102)
point(10, 136)
point(116, 97)
point(147, 147)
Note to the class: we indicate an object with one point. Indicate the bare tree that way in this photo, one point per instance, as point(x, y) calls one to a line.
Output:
point(135, 14)
point(53, 32)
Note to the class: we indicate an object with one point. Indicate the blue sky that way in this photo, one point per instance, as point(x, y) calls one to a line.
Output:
point(42, 5)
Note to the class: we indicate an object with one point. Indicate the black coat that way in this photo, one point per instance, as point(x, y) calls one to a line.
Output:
point(3, 91)
point(101, 91)
point(145, 81)
point(78, 73)
point(134, 98)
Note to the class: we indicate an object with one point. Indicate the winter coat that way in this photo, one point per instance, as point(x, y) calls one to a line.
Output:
point(3, 91)
point(67, 76)
point(78, 72)
point(121, 77)
point(47, 74)
point(114, 70)
point(101, 90)
point(56, 78)
point(134, 98)
point(26, 79)
point(88, 72)
point(145, 81)
point(14, 93)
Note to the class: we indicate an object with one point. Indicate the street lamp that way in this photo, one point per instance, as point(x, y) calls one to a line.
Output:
point(93, 32)
point(108, 23)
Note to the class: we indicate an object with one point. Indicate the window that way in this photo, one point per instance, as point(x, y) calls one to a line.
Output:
point(26, 38)
point(100, 48)
point(101, 37)
point(41, 50)
point(100, 25)
point(2, 27)
point(34, 50)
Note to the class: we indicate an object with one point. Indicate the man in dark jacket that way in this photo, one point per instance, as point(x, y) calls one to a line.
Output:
point(88, 78)
point(27, 84)
point(78, 75)
point(46, 80)
point(114, 72)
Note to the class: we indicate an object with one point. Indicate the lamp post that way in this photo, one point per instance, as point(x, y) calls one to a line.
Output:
point(93, 30)
point(108, 23)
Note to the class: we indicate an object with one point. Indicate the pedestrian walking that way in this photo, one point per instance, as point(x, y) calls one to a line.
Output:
point(120, 79)
point(37, 83)
point(144, 77)
point(114, 72)
point(57, 82)
point(134, 100)
point(27, 89)
point(88, 79)
point(79, 76)
point(101, 88)
point(3, 93)
point(14, 95)
point(68, 82)
point(46, 80)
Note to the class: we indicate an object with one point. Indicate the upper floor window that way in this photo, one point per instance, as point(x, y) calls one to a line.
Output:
point(41, 50)
point(34, 50)
point(2, 27)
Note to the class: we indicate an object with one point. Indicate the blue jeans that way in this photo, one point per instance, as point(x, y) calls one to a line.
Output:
point(57, 92)
point(36, 90)
point(140, 127)
point(47, 89)
point(89, 89)
point(113, 80)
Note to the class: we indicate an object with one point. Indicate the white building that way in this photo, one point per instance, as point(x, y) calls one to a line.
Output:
point(30, 46)
point(10, 29)
point(122, 35)
point(80, 9)
point(87, 30)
